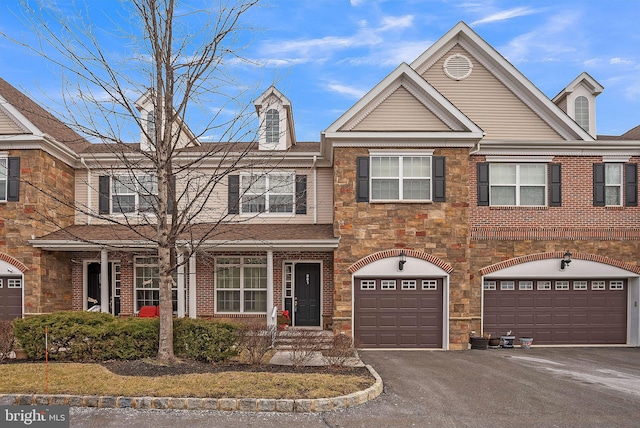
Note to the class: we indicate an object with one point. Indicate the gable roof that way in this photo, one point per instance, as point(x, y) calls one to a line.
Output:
point(458, 126)
point(259, 103)
point(35, 120)
point(583, 79)
point(505, 72)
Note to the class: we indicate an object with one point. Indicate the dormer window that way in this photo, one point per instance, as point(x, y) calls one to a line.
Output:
point(582, 112)
point(272, 126)
point(151, 125)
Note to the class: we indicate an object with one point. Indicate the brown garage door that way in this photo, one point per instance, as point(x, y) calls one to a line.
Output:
point(398, 313)
point(10, 298)
point(558, 312)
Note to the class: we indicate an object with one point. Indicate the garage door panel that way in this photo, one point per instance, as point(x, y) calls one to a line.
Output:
point(559, 316)
point(399, 318)
point(10, 302)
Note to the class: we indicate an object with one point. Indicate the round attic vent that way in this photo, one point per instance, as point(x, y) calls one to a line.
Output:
point(458, 67)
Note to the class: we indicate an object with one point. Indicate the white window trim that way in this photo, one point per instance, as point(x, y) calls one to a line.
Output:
point(367, 284)
point(266, 194)
point(242, 289)
point(11, 283)
point(401, 154)
point(619, 186)
point(518, 186)
point(5, 170)
point(519, 159)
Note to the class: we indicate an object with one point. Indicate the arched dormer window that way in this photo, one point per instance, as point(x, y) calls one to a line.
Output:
point(272, 128)
point(582, 112)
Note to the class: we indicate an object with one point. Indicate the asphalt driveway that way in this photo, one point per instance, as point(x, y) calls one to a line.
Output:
point(541, 387)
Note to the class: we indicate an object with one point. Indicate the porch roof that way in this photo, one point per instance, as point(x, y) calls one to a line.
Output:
point(224, 236)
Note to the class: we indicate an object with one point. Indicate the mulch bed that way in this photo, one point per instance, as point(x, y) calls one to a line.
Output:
point(148, 367)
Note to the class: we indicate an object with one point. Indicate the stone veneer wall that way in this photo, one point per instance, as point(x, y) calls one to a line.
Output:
point(45, 205)
point(439, 228)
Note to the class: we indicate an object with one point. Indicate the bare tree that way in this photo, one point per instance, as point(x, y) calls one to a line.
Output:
point(179, 59)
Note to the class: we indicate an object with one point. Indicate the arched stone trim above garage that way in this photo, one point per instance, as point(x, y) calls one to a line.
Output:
point(385, 254)
point(551, 257)
point(8, 262)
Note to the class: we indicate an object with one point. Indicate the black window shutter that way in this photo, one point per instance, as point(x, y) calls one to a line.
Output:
point(483, 184)
point(172, 194)
point(13, 179)
point(362, 179)
point(439, 179)
point(104, 183)
point(301, 194)
point(631, 185)
point(555, 185)
point(234, 194)
point(598, 185)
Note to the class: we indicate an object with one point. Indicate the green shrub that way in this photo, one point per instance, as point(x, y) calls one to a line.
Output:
point(132, 339)
point(204, 340)
point(74, 336)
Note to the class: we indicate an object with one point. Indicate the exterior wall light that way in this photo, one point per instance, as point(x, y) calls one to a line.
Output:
point(402, 261)
point(565, 260)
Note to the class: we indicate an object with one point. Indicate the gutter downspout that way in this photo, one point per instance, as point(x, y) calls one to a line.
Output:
point(82, 161)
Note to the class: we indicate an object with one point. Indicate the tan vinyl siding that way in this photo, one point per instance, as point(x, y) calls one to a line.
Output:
point(8, 126)
point(488, 103)
point(216, 206)
point(81, 195)
point(563, 104)
point(401, 111)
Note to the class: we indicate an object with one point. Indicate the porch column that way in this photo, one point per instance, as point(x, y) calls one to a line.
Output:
point(181, 301)
point(270, 320)
point(192, 286)
point(104, 281)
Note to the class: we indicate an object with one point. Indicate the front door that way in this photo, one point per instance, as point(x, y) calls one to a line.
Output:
point(307, 295)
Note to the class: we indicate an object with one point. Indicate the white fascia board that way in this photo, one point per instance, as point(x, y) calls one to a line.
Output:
point(561, 148)
point(431, 139)
point(462, 33)
point(39, 142)
point(73, 245)
point(591, 83)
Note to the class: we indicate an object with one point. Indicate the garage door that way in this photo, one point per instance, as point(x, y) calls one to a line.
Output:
point(558, 312)
point(10, 298)
point(398, 313)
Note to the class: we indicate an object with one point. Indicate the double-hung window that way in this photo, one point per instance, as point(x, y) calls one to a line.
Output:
point(517, 184)
point(132, 194)
point(613, 184)
point(268, 193)
point(241, 284)
point(147, 283)
point(400, 178)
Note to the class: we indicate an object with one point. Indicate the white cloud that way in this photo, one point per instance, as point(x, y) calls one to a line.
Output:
point(346, 90)
point(617, 60)
point(504, 15)
point(391, 22)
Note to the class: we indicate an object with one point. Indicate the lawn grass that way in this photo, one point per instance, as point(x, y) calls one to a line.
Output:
point(94, 379)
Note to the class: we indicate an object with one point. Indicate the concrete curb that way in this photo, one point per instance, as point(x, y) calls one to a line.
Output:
point(223, 404)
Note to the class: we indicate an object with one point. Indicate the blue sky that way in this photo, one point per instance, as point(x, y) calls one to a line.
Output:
point(325, 54)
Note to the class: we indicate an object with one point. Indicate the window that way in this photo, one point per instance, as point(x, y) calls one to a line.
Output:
point(562, 285)
point(409, 284)
point(582, 112)
point(268, 193)
point(401, 178)
point(388, 284)
point(3, 179)
point(525, 285)
point(241, 284)
point(132, 194)
point(616, 285)
point(507, 285)
point(367, 284)
point(598, 285)
point(272, 126)
point(517, 184)
point(489, 285)
point(429, 284)
point(579, 285)
point(14, 283)
point(147, 283)
point(613, 184)
point(543, 285)
point(151, 125)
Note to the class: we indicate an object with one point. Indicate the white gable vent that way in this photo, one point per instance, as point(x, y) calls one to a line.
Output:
point(458, 67)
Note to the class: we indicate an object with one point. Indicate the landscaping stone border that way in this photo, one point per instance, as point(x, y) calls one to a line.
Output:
point(304, 405)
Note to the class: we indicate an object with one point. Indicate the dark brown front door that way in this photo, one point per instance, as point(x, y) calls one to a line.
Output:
point(307, 295)
point(398, 312)
point(10, 298)
point(558, 312)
